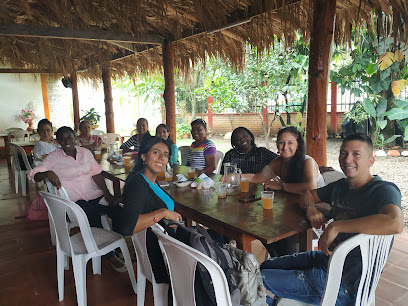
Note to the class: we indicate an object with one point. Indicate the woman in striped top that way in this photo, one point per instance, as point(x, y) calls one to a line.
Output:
point(142, 127)
point(202, 150)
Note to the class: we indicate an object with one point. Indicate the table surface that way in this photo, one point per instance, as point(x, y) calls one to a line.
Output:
point(242, 222)
point(24, 143)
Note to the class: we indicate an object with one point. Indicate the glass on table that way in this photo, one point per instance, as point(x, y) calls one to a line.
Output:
point(191, 173)
point(267, 199)
point(222, 190)
point(244, 184)
point(126, 160)
point(168, 175)
point(98, 154)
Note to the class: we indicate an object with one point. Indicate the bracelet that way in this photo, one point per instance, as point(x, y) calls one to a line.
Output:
point(154, 217)
point(308, 205)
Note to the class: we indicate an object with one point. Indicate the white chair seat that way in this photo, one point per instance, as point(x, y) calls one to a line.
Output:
point(102, 238)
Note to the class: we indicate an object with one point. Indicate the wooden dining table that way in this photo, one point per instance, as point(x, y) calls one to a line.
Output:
point(243, 222)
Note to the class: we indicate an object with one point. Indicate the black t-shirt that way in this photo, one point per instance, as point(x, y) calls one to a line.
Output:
point(138, 198)
point(252, 162)
point(349, 204)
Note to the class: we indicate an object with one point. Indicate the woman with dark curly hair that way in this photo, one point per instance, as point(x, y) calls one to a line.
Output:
point(292, 171)
point(245, 153)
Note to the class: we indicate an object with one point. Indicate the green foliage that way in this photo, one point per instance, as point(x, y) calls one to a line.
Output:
point(92, 116)
point(368, 72)
point(182, 128)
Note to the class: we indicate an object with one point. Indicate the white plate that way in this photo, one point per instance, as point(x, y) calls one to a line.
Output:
point(182, 183)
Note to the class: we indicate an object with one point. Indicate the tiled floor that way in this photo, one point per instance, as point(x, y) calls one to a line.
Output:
point(27, 263)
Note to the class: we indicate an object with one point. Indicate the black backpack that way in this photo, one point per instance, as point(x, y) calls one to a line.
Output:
point(198, 238)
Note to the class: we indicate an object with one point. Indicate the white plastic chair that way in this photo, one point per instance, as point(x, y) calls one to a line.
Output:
point(332, 176)
point(97, 132)
point(90, 242)
point(184, 150)
point(144, 271)
point(374, 253)
point(182, 261)
point(18, 135)
point(73, 223)
point(218, 162)
point(15, 151)
point(34, 137)
point(110, 138)
point(134, 132)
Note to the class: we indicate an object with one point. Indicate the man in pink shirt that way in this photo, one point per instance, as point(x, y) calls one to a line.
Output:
point(76, 169)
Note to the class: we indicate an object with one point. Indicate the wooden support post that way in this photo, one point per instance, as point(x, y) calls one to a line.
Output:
point(45, 96)
point(333, 109)
point(75, 100)
point(209, 112)
point(107, 90)
point(320, 51)
point(164, 112)
point(169, 90)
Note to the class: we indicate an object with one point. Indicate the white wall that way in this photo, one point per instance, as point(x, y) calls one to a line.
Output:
point(16, 90)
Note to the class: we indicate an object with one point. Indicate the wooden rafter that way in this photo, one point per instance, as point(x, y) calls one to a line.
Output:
point(65, 33)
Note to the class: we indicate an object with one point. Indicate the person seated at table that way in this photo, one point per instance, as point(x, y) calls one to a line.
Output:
point(202, 151)
point(85, 139)
point(46, 144)
point(142, 127)
point(163, 131)
point(292, 171)
point(75, 168)
point(360, 203)
point(145, 203)
point(245, 153)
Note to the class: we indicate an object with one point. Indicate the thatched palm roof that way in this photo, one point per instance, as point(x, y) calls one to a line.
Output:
point(127, 35)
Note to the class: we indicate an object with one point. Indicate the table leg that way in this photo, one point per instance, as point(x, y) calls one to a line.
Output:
point(245, 243)
point(305, 240)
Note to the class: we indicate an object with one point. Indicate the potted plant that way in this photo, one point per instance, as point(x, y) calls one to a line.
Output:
point(92, 116)
point(27, 115)
point(183, 130)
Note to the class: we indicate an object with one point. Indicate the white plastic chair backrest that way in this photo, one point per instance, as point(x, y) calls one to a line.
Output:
point(332, 176)
point(110, 138)
point(219, 157)
point(134, 132)
point(184, 150)
point(12, 130)
point(374, 253)
point(59, 207)
point(15, 151)
point(139, 243)
point(20, 135)
point(182, 261)
point(97, 132)
point(34, 137)
point(63, 194)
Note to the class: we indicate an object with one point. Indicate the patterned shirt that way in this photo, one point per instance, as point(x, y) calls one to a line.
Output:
point(131, 142)
point(94, 138)
point(251, 162)
point(195, 158)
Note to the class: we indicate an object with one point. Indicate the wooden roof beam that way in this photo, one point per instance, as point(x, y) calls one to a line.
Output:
point(65, 33)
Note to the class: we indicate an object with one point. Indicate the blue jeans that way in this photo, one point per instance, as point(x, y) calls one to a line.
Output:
point(300, 277)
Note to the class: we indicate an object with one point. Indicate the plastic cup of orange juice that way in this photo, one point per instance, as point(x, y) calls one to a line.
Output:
point(126, 160)
point(98, 154)
point(267, 199)
point(244, 185)
point(191, 173)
